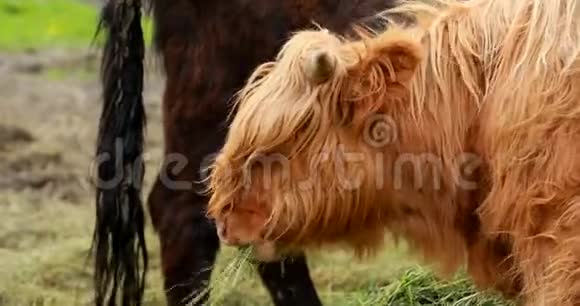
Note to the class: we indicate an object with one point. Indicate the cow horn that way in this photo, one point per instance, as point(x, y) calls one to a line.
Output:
point(319, 66)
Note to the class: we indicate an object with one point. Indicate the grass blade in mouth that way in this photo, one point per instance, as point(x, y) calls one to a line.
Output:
point(238, 268)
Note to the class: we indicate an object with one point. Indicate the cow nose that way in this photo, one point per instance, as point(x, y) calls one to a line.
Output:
point(223, 234)
point(227, 239)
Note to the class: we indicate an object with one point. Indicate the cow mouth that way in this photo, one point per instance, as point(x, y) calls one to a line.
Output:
point(231, 234)
point(259, 250)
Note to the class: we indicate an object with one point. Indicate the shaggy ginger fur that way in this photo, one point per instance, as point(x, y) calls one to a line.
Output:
point(495, 79)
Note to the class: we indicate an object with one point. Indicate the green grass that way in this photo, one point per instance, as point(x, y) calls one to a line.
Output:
point(44, 263)
point(37, 24)
point(418, 286)
point(391, 279)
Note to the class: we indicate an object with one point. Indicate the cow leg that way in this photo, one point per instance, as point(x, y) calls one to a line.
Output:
point(188, 241)
point(490, 265)
point(289, 282)
point(545, 245)
point(550, 264)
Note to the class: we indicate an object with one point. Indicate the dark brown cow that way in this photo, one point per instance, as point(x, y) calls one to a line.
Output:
point(208, 49)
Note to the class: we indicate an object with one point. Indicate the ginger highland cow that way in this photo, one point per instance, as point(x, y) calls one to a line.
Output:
point(459, 133)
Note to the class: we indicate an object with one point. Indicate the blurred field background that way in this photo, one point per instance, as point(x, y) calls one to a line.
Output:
point(49, 108)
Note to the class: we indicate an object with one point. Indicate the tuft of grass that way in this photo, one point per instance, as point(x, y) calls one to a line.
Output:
point(234, 283)
point(39, 24)
point(418, 286)
point(226, 277)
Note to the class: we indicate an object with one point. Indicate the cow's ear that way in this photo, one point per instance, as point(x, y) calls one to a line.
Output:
point(400, 58)
point(385, 66)
point(395, 54)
